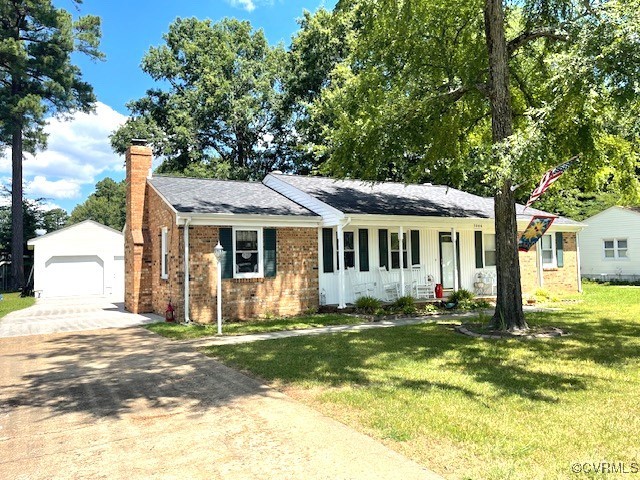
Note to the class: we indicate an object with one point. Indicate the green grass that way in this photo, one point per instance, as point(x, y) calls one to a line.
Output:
point(12, 302)
point(477, 409)
point(186, 332)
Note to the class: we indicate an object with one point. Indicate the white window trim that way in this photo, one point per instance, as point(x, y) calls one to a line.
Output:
point(616, 250)
point(407, 240)
point(554, 256)
point(164, 247)
point(484, 250)
point(356, 249)
point(260, 272)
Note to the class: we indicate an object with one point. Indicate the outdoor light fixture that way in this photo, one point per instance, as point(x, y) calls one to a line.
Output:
point(218, 251)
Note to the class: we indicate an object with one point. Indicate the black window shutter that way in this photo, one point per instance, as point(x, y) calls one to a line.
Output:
point(559, 250)
point(479, 261)
point(327, 250)
point(383, 244)
point(226, 240)
point(363, 247)
point(415, 247)
point(269, 247)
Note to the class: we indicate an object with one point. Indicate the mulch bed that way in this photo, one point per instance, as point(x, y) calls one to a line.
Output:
point(481, 331)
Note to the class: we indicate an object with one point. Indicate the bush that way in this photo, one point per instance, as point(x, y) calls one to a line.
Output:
point(429, 308)
point(461, 295)
point(406, 305)
point(368, 304)
point(542, 294)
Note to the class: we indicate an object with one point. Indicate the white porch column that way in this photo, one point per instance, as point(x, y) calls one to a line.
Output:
point(454, 239)
point(341, 286)
point(539, 262)
point(578, 263)
point(401, 241)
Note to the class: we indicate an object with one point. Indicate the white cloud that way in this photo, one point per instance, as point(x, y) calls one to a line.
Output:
point(77, 151)
point(41, 187)
point(247, 5)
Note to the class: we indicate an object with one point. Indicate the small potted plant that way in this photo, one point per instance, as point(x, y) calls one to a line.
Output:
point(531, 300)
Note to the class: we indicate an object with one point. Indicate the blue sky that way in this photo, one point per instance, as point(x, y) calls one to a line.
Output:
point(79, 154)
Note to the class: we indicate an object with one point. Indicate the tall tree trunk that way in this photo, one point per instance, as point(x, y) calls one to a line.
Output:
point(17, 217)
point(508, 313)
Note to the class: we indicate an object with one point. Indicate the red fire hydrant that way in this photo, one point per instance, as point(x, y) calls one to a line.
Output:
point(439, 290)
point(169, 314)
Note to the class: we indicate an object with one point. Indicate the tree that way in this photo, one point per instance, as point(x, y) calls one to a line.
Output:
point(223, 102)
point(37, 80)
point(107, 205)
point(54, 219)
point(471, 90)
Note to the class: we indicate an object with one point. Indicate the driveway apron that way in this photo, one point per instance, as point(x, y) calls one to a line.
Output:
point(125, 403)
point(72, 314)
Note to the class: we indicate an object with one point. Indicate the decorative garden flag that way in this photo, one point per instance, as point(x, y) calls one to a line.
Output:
point(548, 178)
point(537, 227)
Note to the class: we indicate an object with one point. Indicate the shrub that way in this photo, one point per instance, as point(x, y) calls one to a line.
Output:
point(542, 294)
point(461, 295)
point(368, 304)
point(406, 305)
point(429, 308)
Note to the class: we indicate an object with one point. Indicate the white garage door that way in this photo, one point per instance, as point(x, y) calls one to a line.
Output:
point(73, 276)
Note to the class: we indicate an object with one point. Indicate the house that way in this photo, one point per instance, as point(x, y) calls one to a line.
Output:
point(292, 242)
point(86, 258)
point(610, 244)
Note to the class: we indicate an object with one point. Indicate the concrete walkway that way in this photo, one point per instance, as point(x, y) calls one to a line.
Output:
point(256, 337)
point(125, 403)
point(73, 314)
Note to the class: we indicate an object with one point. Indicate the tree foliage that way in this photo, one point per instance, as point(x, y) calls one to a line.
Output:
point(38, 80)
point(222, 107)
point(107, 205)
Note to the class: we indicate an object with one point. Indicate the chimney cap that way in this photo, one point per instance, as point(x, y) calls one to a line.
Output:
point(139, 142)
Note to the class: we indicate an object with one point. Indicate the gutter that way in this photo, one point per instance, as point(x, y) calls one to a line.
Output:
point(187, 319)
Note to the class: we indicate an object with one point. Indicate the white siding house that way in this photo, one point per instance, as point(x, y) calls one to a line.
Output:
point(610, 244)
point(83, 259)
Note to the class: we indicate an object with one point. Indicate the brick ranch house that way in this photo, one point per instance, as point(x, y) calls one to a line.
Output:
point(291, 242)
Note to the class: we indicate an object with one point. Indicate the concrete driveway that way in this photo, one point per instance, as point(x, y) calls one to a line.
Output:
point(72, 314)
point(125, 403)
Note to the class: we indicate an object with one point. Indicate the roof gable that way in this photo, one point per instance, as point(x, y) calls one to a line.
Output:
point(81, 225)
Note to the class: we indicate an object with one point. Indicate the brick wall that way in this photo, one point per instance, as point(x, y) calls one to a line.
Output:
point(562, 279)
point(293, 290)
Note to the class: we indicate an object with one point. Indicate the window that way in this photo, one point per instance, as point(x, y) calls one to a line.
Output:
point(247, 261)
point(349, 251)
point(489, 250)
point(164, 254)
point(548, 252)
point(395, 251)
point(615, 249)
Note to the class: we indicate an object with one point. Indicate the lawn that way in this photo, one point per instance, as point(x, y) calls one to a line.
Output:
point(185, 332)
point(477, 409)
point(12, 301)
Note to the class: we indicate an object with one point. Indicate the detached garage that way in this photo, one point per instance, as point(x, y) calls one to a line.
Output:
point(80, 260)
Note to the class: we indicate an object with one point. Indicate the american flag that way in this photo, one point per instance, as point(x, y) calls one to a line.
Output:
point(548, 178)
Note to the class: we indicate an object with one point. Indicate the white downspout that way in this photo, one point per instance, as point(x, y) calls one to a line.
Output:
point(454, 239)
point(401, 241)
point(187, 319)
point(578, 263)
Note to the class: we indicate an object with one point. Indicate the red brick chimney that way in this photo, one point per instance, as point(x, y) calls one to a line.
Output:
point(137, 286)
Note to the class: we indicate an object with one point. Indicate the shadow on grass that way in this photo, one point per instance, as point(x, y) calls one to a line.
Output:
point(511, 367)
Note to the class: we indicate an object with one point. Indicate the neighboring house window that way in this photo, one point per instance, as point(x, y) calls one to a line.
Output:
point(164, 254)
point(615, 249)
point(395, 250)
point(548, 251)
point(247, 261)
point(489, 250)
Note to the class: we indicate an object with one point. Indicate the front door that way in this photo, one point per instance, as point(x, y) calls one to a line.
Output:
point(447, 264)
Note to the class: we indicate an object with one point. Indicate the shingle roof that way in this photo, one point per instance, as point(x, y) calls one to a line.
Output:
point(390, 198)
point(198, 195)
